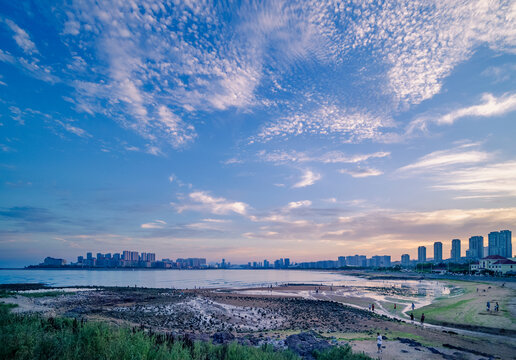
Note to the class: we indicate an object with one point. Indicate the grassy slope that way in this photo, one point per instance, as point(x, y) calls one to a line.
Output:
point(34, 337)
point(469, 308)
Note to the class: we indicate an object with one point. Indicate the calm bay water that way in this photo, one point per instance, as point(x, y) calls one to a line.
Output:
point(421, 292)
point(180, 279)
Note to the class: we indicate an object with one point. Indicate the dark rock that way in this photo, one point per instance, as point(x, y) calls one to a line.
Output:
point(409, 342)
point(223, 337)
point(193, 337)
point(434, 350)
point(306, 343)
point(244, 341)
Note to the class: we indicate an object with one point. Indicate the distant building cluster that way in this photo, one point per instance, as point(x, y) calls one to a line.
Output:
point(499, 248)
point(349, 261)
point(496, 256)
point(342, 261)
point(266, 264)
point(126, 259)
point(500, 243)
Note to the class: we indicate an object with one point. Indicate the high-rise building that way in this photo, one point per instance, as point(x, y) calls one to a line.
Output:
point(130, 255)
point(385, 261)
point(438, 252)
point(455, 250)
point(506, 243)
point(148, 257)
point(421, 254)
point(342, 261)
point(89, 256)
point(493, 238)
point(405, 260)
point(287, 262)
point(476, 247)
point(266, 264)
point(500, 243)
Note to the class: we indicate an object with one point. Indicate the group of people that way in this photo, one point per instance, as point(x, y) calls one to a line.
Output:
point(496, 307)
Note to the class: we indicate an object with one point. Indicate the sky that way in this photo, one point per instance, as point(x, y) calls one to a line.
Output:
point(254, 130)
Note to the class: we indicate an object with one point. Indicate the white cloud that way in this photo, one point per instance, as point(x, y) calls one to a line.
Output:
point(331, 157)
point(203, 201)
point(232, 161)
point(438, 160)
point(470, 174)
point(421, 42)
point(74, 129)
point(350, 126)
point(487, 181)
point(178, 131)
point(161, 64)
point(156, 224)
point(361, 172)
point(308, 178)
point(491, 106)
point(456, 217)
point(500, 73)
point(22, 38)
point(172, 178)
point(154, 68)
point(299, 204)
point(154, 150)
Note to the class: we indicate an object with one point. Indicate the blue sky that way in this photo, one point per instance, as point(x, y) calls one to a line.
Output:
point(252, 130)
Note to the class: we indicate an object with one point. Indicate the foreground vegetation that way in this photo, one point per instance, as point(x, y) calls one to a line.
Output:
point(35, 337)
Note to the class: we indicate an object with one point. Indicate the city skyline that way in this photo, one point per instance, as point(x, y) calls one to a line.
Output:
point(474, 252)
point(239, 131)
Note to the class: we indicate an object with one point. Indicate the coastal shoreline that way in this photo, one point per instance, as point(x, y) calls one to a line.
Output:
point(269, 315)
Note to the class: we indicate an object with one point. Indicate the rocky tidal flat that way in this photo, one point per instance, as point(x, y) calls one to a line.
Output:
point(285, 318)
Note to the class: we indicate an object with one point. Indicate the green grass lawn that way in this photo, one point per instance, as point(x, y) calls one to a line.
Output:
point(469, 308)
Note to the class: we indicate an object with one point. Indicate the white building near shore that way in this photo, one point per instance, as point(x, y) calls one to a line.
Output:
point(496, 263)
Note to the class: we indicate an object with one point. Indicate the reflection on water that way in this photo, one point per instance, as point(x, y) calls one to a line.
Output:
point(418, 291)
point(181, 279)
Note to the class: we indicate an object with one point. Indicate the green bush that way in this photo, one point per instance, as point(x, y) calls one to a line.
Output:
point(341, 353)
point(5, 293)
point(25, 337)
point(44, 294)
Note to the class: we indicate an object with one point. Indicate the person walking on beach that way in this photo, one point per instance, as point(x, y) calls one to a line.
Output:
point(488, 306)
point(369, 307)
point(497, 306)
point(413, 306)
point(372, 307)
point(422, 318)
point(411, 316)
point(379, 342)
point(394, 306)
